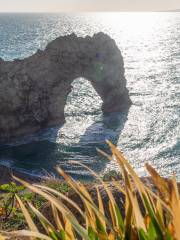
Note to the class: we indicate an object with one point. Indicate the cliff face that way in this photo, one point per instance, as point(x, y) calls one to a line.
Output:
point(33, 91)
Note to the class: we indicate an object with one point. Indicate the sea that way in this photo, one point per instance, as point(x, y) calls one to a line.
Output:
point(148, 132)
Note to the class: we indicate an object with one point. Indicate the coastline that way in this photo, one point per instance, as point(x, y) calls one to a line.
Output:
point(6, 174)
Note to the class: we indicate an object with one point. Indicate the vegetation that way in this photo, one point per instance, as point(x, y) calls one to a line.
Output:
point(150, 213)
point(11, 216)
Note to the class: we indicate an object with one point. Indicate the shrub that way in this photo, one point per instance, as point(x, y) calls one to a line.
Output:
point(160, 218)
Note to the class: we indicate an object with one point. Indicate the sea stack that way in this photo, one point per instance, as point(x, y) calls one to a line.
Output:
point(33, 91)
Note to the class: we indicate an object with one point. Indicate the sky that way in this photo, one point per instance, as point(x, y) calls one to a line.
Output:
point(87, 5)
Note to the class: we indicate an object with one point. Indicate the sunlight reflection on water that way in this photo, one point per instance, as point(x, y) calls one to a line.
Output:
point(149, 132)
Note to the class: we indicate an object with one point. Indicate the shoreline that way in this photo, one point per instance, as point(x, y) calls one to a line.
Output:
point(6, 175)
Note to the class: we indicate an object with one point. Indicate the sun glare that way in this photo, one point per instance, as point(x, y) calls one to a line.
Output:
point(135, 23)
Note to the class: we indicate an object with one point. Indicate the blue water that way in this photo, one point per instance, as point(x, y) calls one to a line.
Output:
point(148, 132)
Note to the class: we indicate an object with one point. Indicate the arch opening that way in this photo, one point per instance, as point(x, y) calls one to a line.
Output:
point(83, 100)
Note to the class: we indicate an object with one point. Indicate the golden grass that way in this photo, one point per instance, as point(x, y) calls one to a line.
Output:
point(160, 218)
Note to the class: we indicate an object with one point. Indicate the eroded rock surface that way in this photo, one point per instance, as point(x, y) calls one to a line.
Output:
point(33, 91)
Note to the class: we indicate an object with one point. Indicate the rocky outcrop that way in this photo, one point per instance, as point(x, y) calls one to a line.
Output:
point(33, 91)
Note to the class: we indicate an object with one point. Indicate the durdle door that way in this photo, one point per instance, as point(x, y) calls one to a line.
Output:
point(33, 91)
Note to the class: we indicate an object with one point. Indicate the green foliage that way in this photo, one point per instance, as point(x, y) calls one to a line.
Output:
point(10, 214)
point(11, 188)
point(61, 187)
point(7, 203)
point(159, 219)
point(112, 175)
point(15, 221)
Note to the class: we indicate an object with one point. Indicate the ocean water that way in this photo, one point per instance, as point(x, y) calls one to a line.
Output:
point(148, 132)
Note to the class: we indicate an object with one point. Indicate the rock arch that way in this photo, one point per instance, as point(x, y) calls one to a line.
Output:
point(33, 91)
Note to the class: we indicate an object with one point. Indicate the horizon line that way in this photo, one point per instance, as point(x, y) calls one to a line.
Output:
point(92, 11)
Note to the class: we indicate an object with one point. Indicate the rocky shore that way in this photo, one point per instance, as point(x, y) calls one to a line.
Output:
point(6, 175)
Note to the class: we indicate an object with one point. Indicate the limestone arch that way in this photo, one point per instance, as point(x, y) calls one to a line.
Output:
point(33, 91)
